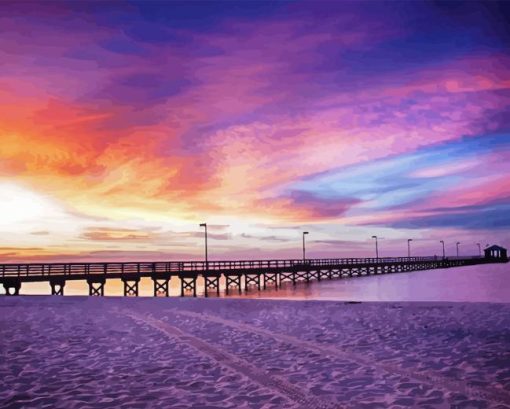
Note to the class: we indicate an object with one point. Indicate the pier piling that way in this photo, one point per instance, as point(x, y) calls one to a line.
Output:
point(96, 286)
point(57, 286)
point(131, 286)
point(12, 286)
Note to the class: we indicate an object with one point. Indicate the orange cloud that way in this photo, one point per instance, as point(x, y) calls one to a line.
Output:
point(107, 234)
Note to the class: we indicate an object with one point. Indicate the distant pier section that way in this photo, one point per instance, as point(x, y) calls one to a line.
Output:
point(239, 275)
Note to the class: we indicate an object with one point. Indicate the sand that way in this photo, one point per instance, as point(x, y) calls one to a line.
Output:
point(80, 352)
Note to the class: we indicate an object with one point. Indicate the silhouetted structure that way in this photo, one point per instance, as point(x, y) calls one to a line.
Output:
point(496, 252)
point(255, 272)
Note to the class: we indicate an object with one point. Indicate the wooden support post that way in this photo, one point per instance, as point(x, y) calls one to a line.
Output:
point(131, 286)
point(251, 279)
point(161, 287)
point(287, 275)
point(57, 286)
point(276, 281)
point(212, 282)
point(270, 278)
point(12, 286)
point(188, 284)
point(246, 282)
point(281, 278)
point(96, 286)
point(235, 281)
point(161, 280)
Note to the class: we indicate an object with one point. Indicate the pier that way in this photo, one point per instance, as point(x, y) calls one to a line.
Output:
point(239, 275)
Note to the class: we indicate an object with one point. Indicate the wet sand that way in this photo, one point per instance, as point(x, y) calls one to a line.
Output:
point(76, 352)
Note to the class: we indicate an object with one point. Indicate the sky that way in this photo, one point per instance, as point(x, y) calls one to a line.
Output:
point(124, 125)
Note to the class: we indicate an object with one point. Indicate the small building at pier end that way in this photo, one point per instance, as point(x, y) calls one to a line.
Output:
point(496, 253)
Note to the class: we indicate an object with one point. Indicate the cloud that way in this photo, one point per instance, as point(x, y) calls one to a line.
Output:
point(110, 234)
point(333, 242)
point(218, 226)
point(299, 206)
point(484, 218)
point(264, 238)
point(40, 233)
point(278, 227)
point(20, 248)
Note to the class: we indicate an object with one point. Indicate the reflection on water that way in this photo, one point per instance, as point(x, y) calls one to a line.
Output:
point(482, 283)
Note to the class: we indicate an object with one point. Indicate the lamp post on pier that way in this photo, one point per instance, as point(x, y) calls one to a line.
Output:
point(206, 258)
point(304, 252)
point(479, 249)
point(376, 248)
point(457, 248)
point(444, 254)
point(409, 247)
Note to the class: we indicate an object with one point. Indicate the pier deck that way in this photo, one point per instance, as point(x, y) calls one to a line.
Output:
point(254, 273)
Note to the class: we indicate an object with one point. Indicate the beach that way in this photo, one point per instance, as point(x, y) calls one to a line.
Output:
point(74, 352)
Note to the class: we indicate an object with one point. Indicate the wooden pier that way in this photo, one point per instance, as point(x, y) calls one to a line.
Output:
point(240, 275)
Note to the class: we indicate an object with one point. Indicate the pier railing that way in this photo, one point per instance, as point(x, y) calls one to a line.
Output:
point(146, 268)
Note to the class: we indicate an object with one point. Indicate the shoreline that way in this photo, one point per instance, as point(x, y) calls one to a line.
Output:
point(242, 299)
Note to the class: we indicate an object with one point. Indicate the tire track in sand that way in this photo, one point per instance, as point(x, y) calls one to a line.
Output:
point(259, 376)
point(430, 378)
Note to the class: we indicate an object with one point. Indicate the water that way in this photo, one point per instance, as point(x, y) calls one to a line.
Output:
point(482, 283)
point(479, 283)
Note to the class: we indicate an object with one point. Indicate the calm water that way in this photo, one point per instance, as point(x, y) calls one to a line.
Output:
point(483, 283)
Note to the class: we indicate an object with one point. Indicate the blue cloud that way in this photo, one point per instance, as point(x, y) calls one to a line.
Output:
point(483, 218)
point(395, 182)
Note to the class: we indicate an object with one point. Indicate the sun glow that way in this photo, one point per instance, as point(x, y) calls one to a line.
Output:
point(19, 205)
